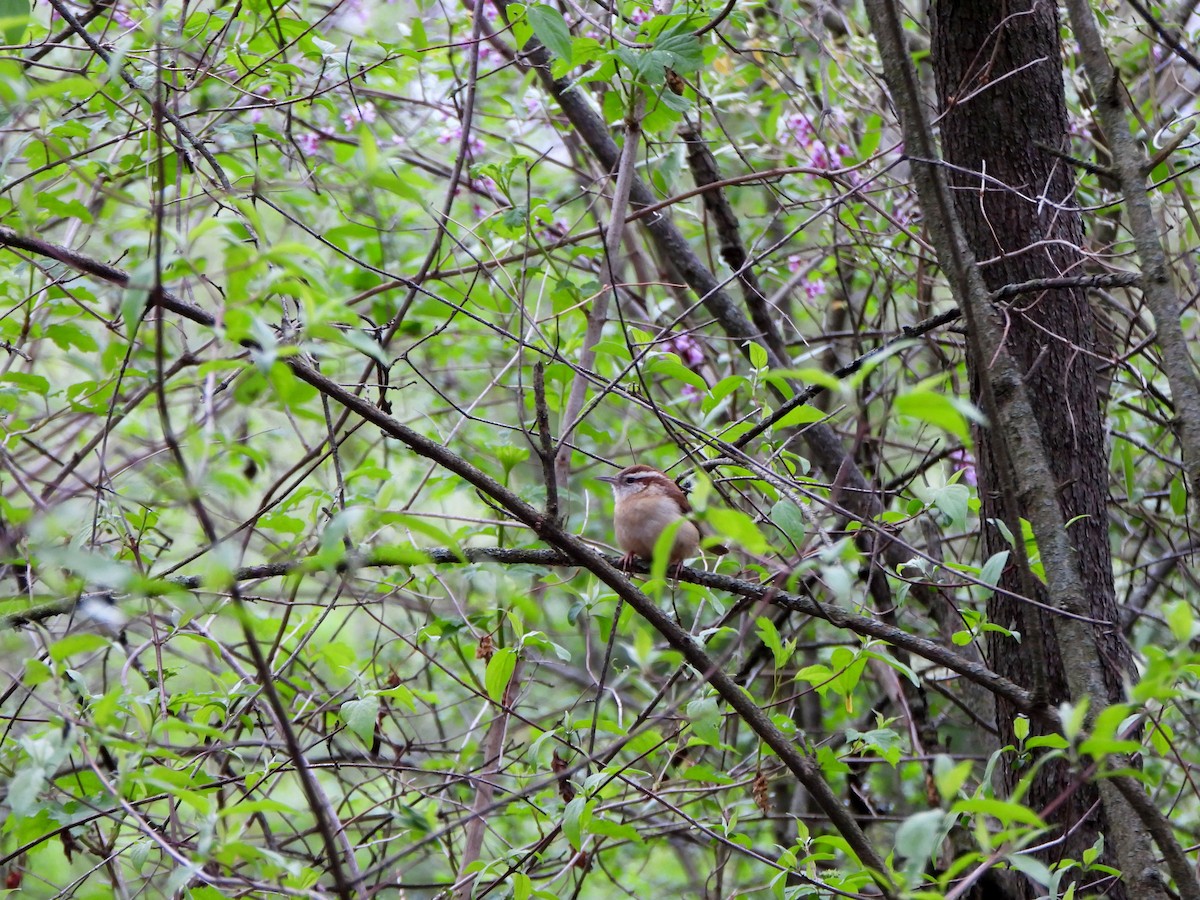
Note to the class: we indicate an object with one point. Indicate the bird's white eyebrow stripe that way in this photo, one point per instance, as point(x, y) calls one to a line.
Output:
point(640, 476)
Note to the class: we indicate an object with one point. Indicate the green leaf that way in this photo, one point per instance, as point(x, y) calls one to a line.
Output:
point(578, 811)
point(884, 741)
point(406, 187)
point(680, 49)
point(735, 526)
point(994, 568)
point(427, 527)
point(246, 808)
point(1178, 495)
point(948, 776)
point(920, 835)
point(1021, 727)
point(848, 667)
point(1006, 812)
point(360, 716)
point(36, 672)
point(872, 131)
point(14, 18)
point(953, 500)
point(499, 670)
point(1180, 619)
point(809, 375)
point(758, 355)
point(1098, 748)
point(366, 345)
point(1073, 716)
point(940, 410)
point(663, 546)
point(818, 675)
point(706, 720)
point(894, 663)
point(721, 390)
point(79, 642)
point(620, 830)
point(706, 774)
point(24, 788)
point(66, 336)
point(551, 29)
point(509, 456)
point(34, 384)
point(669, 366)
point(769, 635)
point(804, 414)
point(790, 519)
point(1052, 741)
point(1030, 866)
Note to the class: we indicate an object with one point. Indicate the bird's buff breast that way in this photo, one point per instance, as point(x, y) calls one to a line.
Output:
point(639, 534)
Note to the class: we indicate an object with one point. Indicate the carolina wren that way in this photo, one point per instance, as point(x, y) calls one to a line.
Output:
point(647, 502)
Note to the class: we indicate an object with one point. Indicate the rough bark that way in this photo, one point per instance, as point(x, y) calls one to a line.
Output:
point(1000, 87)
point(1133, 821)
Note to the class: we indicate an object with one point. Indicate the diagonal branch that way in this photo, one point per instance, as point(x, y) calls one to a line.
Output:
point(800, 764)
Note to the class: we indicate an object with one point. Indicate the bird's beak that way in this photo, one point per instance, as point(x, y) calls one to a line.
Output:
point(607, 479)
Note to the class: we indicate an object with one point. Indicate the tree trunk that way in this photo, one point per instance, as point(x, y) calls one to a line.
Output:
point(1000, 88)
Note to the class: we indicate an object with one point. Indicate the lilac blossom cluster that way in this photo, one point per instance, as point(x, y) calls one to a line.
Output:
point(362, 112)
point(820, 155)
point(814, 285)
point(962, 461)
point(452, 134)
point(310, 141)
point(692, 355)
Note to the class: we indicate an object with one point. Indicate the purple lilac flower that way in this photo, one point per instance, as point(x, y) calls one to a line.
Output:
point(962, 461)
point(122, 18)
point(309, 142)
point(800, 126)
point(685, 347)
point(802, 130)
point(257, 112)
point(353, 16)
point(453, 134)
point(553, 232)
point(364, 112)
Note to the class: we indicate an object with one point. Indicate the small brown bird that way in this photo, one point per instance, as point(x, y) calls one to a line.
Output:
point(647, 502)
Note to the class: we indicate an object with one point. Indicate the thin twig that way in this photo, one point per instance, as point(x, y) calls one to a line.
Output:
point(176, 123)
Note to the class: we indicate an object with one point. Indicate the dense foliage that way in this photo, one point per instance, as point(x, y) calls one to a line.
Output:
point(310, 345)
